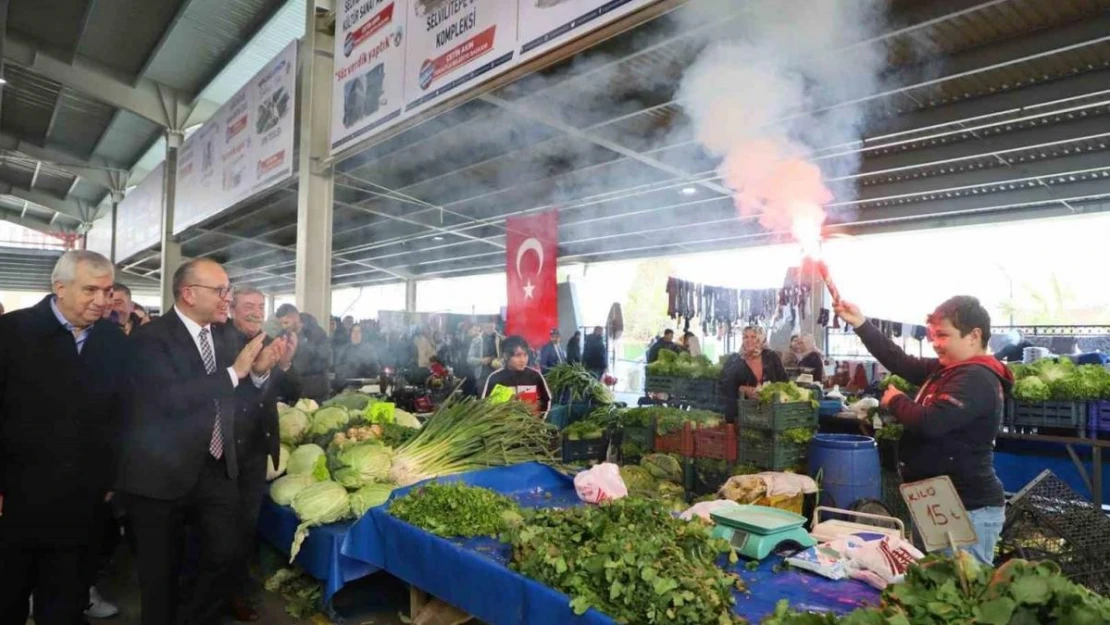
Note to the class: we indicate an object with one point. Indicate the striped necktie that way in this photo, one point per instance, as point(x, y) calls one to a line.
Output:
point(216, 446)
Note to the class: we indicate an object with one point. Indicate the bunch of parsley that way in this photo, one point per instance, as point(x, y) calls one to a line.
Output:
point(456, 509)
point(630, 559)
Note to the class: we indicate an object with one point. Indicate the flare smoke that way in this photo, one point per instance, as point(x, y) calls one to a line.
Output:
point(773, 95)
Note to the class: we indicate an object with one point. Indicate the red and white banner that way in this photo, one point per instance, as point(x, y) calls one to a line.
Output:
point(531, 246)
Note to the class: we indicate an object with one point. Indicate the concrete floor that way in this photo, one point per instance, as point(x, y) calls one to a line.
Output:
point(377, 600)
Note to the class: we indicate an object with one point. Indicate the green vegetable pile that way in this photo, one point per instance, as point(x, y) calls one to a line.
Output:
point(303, 595)
point(456, 509)
point(585, 430)
point(943, 590)
point(798, 436)
point(1061, 380)
point(630, 559)
point(577, 382)
point(891, 431)
point(682, 365)
point(899, 383)
point(658, 477)
point(666, 419)
point(785, 393)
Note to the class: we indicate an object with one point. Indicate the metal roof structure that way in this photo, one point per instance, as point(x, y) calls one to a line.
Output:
point(86, 88)
point(1005, 115)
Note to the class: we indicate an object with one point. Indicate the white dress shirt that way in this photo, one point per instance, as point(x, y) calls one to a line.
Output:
point(194, 331)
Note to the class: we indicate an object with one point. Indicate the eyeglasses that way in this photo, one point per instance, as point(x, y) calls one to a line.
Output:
point(221, 291)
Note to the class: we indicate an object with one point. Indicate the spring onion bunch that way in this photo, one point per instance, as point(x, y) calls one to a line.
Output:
point(471, 434)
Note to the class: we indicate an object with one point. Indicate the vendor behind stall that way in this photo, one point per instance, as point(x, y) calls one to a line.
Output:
point(951, 427)
point(810, 360)
point(744, 372)
point(527, 384)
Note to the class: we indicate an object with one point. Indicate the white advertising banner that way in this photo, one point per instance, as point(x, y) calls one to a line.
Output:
point(99, 237)
point(245, 148)
point(547, 24)
point(455, 44)
point(369, 81)
point(140, 217)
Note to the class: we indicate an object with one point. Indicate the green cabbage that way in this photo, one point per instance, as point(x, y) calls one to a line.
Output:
point(285, 488)
point(272, 472)
point(379, 412)
point(369, 496)
point(406, 419)
point(637, 479)
point(303, 459)
point(292, 424)
point(663, 467)
point(318, 504)
point(327, 419)
point(351, 400)
point(362, 464)
point(1031, 389)
point(308, 406)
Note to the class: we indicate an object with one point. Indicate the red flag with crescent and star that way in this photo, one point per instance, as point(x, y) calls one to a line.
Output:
point(531, 247)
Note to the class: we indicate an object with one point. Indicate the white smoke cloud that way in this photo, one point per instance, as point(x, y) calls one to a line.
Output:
point(780, 89)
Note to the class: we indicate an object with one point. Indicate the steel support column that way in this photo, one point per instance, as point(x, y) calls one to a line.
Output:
point(117, 197)
point(314, 194)
point(171, 249)
point(410, 296)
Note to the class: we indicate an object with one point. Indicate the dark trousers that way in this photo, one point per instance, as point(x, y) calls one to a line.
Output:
point(252, 488)
point(211, 508)
point(53, 574)
point(103, 539)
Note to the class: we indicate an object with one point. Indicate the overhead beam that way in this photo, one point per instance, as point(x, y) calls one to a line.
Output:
point(70, 208)
point(90, 171)
point(146, 98)
point(182, 8)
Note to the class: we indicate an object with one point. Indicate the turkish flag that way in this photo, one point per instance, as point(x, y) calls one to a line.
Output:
point(531, 247)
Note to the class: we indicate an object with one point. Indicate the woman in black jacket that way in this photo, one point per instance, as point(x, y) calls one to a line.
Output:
point(744, 372)
point(574, 348)
point(356, 359)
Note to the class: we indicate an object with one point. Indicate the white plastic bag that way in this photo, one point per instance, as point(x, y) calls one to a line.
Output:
point(705, 508)
point(882, 562)
point(600, 483)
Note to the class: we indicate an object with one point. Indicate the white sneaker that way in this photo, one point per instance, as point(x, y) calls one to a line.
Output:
point(98, 607)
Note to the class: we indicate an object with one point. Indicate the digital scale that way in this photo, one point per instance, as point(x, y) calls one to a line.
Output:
point(756, 531)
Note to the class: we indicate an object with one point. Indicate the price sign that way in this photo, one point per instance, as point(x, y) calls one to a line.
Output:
point(938, 513)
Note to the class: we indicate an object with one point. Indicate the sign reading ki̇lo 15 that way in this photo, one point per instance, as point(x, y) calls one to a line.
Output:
point(938, 514)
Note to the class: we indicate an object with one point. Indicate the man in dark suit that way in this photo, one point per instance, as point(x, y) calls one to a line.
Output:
point(257, 438)
point(180, 454)
point(552, 354)
point(63, 388)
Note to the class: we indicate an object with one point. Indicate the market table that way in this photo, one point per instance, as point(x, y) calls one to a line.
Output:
point(320, 554)
point(473, 575)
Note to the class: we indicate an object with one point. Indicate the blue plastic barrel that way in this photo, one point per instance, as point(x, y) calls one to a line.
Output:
point(849, 467)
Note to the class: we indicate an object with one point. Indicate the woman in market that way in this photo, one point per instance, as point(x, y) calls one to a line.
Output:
point(527, 384)
point(356, 359)
point(744, 372)
point(574, 348)
point(792, 355)
point(810, 360)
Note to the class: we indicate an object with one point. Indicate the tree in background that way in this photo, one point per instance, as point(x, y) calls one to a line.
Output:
point(645, 314)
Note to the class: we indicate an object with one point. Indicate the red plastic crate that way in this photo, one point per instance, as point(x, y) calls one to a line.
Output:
point(718, 443)
point(680, 442)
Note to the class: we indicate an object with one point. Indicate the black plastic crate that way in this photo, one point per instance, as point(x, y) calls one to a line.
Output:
point(660, 384)
point(775, 416)
point(770, 451)
point(1048, 414)
point(585, 450)
point(888, 454)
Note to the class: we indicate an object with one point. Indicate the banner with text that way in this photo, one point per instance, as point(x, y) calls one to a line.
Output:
point(369, 81)
point(531, 246)
point(245, 148)
point(547, 24)
point(139, 216)
point(454, 44)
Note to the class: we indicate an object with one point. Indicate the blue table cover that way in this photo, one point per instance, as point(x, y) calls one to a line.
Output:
point(320, 553)
point(473, 574)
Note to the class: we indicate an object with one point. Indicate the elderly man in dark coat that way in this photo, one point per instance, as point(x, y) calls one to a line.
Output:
point(62, 390)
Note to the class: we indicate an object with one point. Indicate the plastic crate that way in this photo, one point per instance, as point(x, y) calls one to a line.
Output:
point(659, 384)
point(1052, 414)
point(888, 454)
point(680, 442)
point(585, 450)
point(776, 416)
point(718, 443)
point(1098, 417)
point(769, 451)
point(644, 436)
point(702, 390)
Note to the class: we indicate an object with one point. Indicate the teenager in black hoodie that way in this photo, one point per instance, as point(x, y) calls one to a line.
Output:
point(950, 427)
